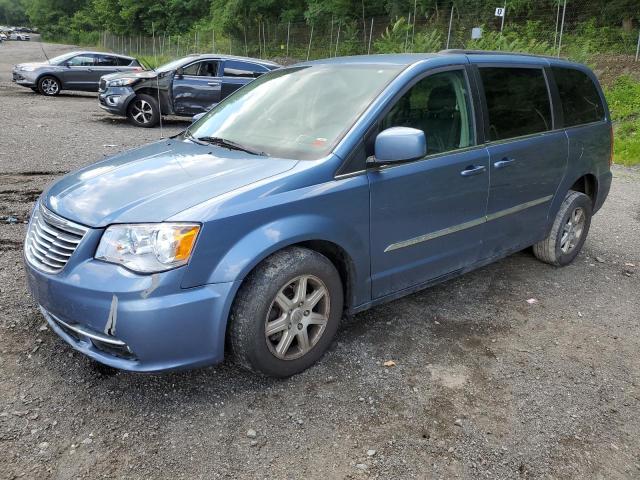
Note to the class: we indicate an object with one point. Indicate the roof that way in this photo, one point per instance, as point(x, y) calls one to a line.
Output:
point(233, 57)
point(406, 59)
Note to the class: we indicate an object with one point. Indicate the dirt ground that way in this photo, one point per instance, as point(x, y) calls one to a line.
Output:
point(486, 384)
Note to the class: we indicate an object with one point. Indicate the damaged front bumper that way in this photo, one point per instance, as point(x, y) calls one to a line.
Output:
point(133, 322)
point(116, 99)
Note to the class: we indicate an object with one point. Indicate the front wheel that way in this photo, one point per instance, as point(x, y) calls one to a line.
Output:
point(49, 86)
point(143, 111)
point(569, 231)
point(286, 313)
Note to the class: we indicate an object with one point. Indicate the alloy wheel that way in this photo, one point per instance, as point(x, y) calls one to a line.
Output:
point(572, 230)
point(142, 111)
point(297, 317)
point(50, 86)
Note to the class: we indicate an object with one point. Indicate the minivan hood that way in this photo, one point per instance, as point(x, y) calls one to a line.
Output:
point(155, 182)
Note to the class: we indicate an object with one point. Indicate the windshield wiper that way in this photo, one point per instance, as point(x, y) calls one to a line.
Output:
point(230, 144)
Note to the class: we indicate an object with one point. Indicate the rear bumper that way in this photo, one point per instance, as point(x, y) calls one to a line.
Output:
point(140, 323)
point(604, 186)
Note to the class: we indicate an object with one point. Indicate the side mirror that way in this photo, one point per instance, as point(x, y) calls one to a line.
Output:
point(400, 144)
point(179, 72)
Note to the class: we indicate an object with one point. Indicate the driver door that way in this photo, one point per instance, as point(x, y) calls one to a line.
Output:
point(198, 88)
point(79, 73)
point(427, 215)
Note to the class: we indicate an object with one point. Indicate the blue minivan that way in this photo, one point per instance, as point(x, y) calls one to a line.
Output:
point(316, 191)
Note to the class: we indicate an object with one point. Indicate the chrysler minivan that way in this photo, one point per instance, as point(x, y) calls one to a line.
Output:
point(316, 191)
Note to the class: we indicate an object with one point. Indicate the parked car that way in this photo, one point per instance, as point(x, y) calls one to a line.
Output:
point(301, 198)
point(185, 87)
point(79, 71)
point(19, 36)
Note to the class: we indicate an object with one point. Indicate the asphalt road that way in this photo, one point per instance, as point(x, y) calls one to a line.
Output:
point(485, 383)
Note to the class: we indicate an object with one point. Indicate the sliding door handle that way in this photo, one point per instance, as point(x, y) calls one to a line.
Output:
point(505, 162)
point(473, 170)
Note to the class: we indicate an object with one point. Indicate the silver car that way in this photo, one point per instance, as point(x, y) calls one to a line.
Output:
point(72, 71)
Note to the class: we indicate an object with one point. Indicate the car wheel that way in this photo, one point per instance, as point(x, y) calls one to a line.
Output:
point(286, 313)
point(569, 231)
point(143, 111)
point(49, 86)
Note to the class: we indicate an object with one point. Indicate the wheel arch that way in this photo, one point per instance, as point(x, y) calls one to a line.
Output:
point(49, 74)
point(165, 107)
point(587, 184)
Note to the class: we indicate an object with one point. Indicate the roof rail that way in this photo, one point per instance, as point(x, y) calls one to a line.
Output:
point(490, 52)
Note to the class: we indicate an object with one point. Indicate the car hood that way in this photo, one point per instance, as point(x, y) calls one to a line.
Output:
point(155, 182)
point(33, 65)
point(131, 74)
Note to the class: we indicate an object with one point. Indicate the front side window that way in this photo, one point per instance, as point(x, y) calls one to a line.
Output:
point(298, 112)
point(233, 68)
point(81, 61)
point(580, 100)
point(439, 106)
point(517, 101)
point(202, 69)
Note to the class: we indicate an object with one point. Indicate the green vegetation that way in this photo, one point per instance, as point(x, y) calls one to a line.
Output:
point(624, 102)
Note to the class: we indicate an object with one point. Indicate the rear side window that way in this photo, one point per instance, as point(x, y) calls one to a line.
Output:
point(581, 102)
point(517, 100)
point(233, 68)
point(125, 62)
point(106, 61)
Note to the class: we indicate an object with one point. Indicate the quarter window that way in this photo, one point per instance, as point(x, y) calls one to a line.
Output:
point(517, 101)
point(439, 106)
point(581, 102)
point(106, 61)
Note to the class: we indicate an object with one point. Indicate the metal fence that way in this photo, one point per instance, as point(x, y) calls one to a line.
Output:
point(571, 30)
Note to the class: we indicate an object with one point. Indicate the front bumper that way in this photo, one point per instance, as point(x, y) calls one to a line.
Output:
point(116, 99)
point(134, 322)
point(25, 79)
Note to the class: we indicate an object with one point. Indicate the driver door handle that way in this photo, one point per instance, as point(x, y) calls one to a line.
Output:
point(473, 170)
point(505, 162)
point(214, 84)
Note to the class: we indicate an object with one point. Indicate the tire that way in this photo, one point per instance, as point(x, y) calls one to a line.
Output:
point(49, 86)
point(268, 292)
point(569, 231)
point(143, 111)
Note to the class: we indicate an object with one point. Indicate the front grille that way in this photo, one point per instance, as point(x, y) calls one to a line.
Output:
point(103, 85)
point(51, 240)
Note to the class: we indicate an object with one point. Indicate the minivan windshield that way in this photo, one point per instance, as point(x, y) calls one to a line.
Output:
point(299, 112)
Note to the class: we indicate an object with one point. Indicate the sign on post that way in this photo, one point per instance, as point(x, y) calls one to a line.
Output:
point(500, 12)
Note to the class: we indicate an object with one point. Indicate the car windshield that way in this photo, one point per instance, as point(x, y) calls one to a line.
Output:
point(167, 67)
point(61, 58)
point(299, 112)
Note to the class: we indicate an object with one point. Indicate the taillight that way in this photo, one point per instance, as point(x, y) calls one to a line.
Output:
point(611, 150)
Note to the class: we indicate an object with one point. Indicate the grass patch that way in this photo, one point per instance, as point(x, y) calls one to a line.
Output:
point(624, 101)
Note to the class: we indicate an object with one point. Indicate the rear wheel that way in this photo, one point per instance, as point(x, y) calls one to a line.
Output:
point(49, 86)
point(143, 111)
point(286, 313)
point(569, 231)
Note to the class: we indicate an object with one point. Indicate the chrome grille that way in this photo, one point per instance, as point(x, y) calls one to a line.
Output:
point(51, 240)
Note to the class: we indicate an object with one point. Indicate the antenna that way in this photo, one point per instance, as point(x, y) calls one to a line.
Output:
point(43, 52)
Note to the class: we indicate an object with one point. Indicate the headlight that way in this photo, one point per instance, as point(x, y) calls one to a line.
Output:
point(27, 69)
point(121, 82)
point(148, 247)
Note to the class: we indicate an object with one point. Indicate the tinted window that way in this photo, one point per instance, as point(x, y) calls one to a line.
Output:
point(518, 101)
point(581, 102)
point(439, 106)
point(106, 61)
point(234, 68)
point(124, 62)
point(81, 61)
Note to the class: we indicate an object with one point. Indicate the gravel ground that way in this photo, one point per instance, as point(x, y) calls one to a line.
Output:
point(485, 384)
